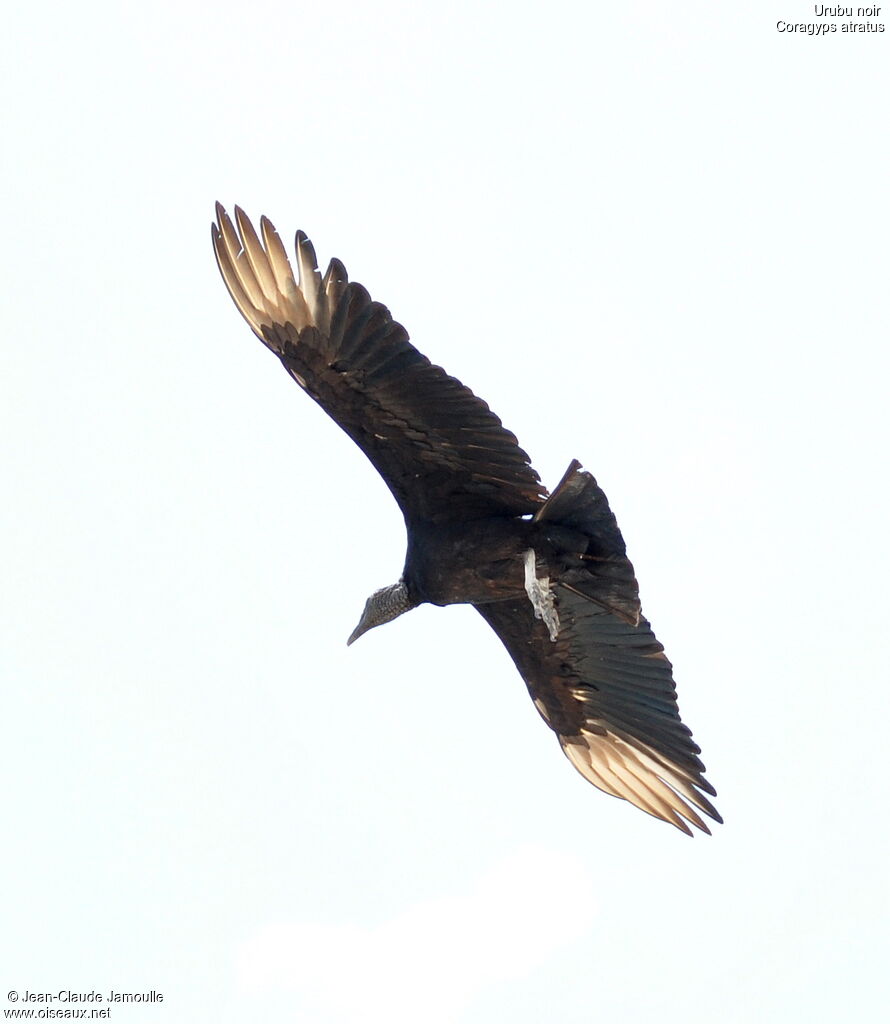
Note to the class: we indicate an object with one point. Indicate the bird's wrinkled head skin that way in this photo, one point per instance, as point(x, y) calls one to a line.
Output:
point(383, 606)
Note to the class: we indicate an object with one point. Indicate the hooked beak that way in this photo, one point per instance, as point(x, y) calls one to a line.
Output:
point(355, 634)
point(364, 624)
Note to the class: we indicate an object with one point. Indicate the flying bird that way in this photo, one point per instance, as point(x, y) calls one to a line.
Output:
point(548, 572)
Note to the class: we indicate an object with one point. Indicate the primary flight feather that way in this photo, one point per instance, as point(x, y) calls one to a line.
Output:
point(549, 573)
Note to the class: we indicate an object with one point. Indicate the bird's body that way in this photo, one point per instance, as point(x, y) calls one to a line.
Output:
point(473, 562)
point(549, 573)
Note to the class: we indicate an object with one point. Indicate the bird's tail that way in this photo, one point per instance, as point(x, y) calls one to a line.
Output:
point(605, 574)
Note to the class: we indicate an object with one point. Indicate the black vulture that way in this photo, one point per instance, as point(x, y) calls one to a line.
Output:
point(548, 573)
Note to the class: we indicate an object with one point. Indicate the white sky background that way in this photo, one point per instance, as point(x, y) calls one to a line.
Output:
point(654, 237)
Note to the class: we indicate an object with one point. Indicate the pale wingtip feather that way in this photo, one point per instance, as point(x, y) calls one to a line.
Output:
point(309, 277)
point(260, 278)
point(258, 259)
point(626, 768)
point(239, 264)
point(228, 234)
point(232, 279)
point(653, 792)
point(277, 256)
point(682, 779)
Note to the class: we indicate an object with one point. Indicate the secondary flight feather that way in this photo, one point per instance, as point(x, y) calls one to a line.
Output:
point(548, 572)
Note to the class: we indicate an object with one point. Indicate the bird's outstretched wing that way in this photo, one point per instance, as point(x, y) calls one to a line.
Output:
point(442, 452)
point(606, 689)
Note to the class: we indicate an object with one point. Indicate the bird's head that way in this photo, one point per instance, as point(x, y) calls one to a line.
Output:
point(383, 606)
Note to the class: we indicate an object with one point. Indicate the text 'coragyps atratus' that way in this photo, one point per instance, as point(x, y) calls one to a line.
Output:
point(549, 573)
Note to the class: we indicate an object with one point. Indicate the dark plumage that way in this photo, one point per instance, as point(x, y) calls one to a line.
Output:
point(549, 573)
